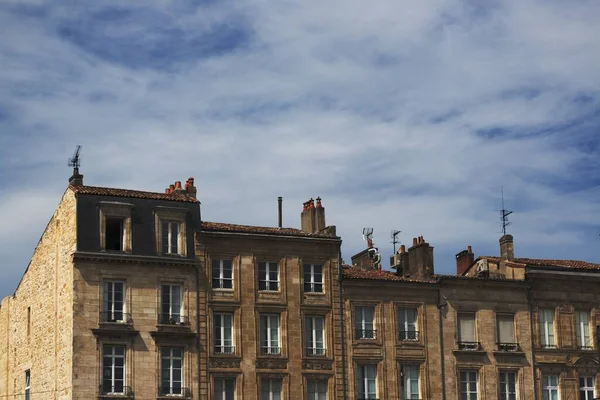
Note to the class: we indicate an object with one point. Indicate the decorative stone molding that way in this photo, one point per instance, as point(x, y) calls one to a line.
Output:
point(223, 363)
point(271, 363)
point(317, 365)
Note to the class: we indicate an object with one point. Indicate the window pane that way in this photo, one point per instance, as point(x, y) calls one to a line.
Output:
point(466, 327)
point(506, 328)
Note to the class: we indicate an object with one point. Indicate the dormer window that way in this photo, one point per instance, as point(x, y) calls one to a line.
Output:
point(114, 234)
point(170, 226)
point(115, 226)
point(170, 237)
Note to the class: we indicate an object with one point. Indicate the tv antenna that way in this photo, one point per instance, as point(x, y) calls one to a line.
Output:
point(395, 240)
point(504, 214)
point(74, 161)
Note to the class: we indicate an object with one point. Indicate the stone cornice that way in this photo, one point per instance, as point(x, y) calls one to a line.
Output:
point(125, 258)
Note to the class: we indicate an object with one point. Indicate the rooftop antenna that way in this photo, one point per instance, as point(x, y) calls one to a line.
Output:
point(504, 213)
point(373, 251)
point(74, 161)
point(395, 240)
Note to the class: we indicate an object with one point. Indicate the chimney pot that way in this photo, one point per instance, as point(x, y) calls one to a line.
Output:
point(167, 191)
point(402, 249)
point(178, 185)
point(319, 202)
point(280, 211)
point(464, 260)
point(415, 242)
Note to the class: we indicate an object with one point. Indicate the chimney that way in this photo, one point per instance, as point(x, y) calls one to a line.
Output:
point(190, 188)
point(312, 218)
point(420, 260)
point(280, 211)
point(319, 216)
point(76, 179)
point(507, 248)
point(464, 260)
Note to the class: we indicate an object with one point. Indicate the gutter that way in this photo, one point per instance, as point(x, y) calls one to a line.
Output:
point(343, 327)
point(198, 339)
point(532, 338)
point(440, 306)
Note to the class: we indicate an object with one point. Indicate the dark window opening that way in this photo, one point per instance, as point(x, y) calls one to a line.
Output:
point(114, 234)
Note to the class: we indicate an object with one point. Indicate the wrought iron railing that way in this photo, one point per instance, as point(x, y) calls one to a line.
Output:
point(586, 347)
point(117, 317)
point(547, 346)
point(469, 346)
point(173, 319)
point(408, 336)
point(224, 349)
point(503, 346)
point(174, 391)
point(270, 350)
point(360, 333)
point(116, 390)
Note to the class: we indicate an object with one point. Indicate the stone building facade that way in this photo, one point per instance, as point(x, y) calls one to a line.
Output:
point(130, 294)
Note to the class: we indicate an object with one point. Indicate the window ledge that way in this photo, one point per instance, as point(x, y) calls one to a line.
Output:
point(509, 353)
point(473, 352)
point(315, 293)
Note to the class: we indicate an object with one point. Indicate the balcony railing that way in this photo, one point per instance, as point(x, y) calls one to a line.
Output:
point(173, 319)
point(267, 350)
point(175, 391)
point(408, 336)
point(224, 349)
point(469, 346)
point(313, 351)
point(360, 333)
point(109, 390)
point(547, 346)
point(502, 346)
point(588, 347)
point(117, 317)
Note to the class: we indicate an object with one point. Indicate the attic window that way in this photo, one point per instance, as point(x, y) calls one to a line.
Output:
point(114, 234)
point(115, 226)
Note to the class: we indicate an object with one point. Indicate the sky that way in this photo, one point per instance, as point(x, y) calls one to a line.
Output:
point(402, 115)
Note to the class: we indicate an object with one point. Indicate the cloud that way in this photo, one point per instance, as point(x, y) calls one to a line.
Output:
point(402, 116)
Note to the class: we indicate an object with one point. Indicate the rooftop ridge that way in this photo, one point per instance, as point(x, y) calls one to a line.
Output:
point(136, 194)
point(269, 230)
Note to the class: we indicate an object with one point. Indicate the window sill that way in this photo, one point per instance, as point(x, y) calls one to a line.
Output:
point(509, 353)
point(315, 293)
point(225, 290)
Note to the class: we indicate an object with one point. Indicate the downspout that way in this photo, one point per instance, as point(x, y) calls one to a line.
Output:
point(440, 306)
point(198, 339)
point(343, 327)
point(532, 338)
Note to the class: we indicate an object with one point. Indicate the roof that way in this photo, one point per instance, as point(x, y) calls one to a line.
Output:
point(357, 273)
point(135, 194)
point(265, 230)
point(540, 263)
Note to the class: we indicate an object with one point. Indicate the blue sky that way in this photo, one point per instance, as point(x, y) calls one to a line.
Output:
point(400, 115)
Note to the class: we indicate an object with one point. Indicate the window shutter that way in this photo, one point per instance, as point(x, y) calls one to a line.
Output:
point(466, 327)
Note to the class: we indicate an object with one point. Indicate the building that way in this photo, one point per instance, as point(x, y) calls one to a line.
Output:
point(129, 294)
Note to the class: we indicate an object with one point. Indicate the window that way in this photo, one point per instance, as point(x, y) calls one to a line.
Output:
point(410, 382)
point(224, 389)
point(170, 237)
point(113, 234)
point(363, 322)
point(113, 369)
point(268, 276)
point(313, 278)
point(27, 385)
point(222, 274)
point(270, 389)
point(223, 325)
point(269, 334)
point(407, 324)
point(547, 327)
point(586, 388)
point(317, 389)
point(506, 332)
point(28, 321)
point(113, 305)
point(367, 381)
point(315, 344)
point(582, 329)
point(466, 332)
point(508, 385)
point(170, 305)
point(468, 385)
point(170, 371)
point(550, 387)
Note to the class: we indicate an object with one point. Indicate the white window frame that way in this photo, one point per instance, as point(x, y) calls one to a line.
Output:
point(547, 328)
point(109, 305)
point(266, 325)
point(220, 345)
point(168, 353)
point(271, 393)
point(508, 391)
point(312, 283)
point(586, 388)
point(220, 382)
point(548, 388)
point(404, 325)
point(271, 268)
point(407, 380)
point(363, 324)
point(28, 384)
point(221, 278)
point(113, 357)
point(316, 389)
point(173, 239)
point(468, 375)
point(365, 374)
point(583, 341)
point(174, 216)
point(172, 314)
point(312, 344)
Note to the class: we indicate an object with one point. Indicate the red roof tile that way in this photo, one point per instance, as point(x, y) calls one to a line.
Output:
point(135, 194)
point(267, 230)
point(539, 262)
point(357, 273)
